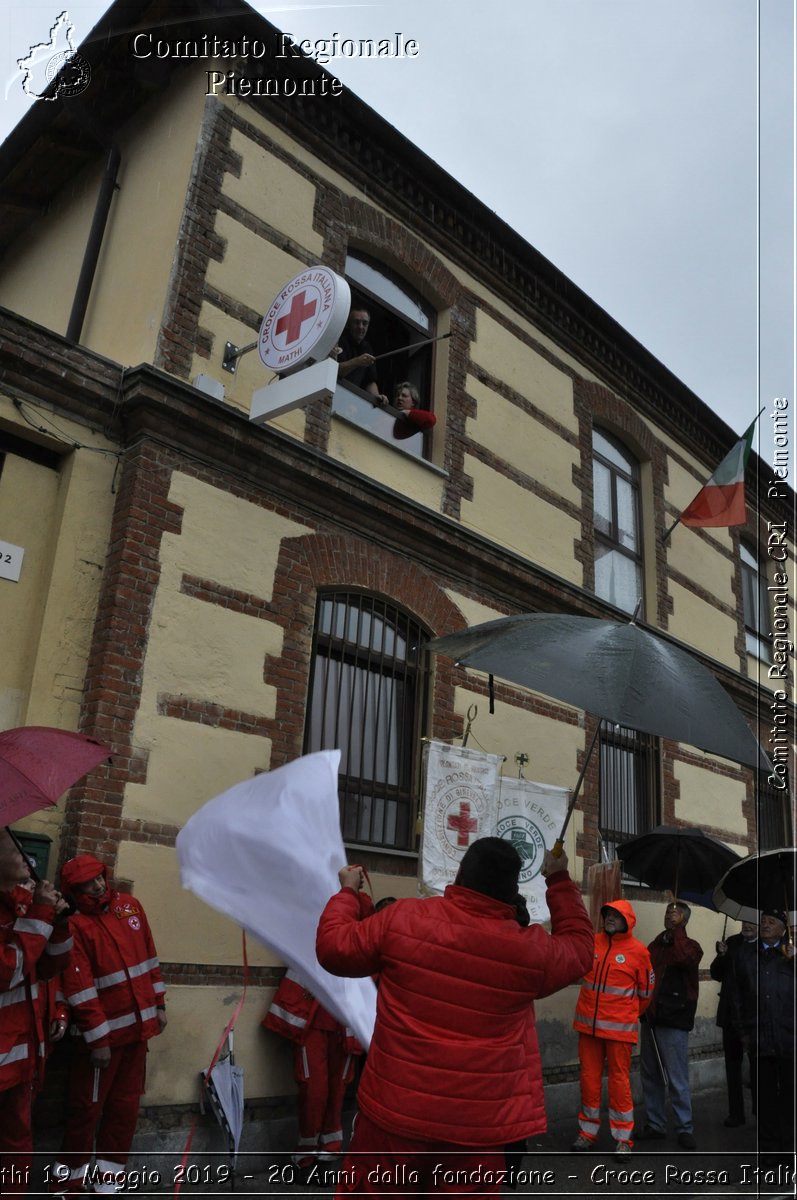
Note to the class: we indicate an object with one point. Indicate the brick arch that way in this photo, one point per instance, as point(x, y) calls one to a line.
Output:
point(311, 562)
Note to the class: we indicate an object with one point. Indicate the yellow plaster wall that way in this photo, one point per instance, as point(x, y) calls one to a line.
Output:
point(126, 304)
point(521, 521)
point(525, 444)
point(697, 623)
point(408, 476)
point(705, 565)
point(197, 1018)
point(716, 798)
point(207, 652)
point(273, 191)
point(526, 371)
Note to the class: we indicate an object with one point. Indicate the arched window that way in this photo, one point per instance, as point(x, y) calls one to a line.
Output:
point(755, 602)
point(400, 318)
point(367, 698)
point(617, 524)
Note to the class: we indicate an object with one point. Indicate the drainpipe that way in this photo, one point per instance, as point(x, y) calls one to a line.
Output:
point(93, 246)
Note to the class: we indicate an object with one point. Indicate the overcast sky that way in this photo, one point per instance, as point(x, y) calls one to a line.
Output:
point(622, 138)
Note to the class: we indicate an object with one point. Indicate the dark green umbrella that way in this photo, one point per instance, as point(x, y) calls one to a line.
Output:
point(619, 672)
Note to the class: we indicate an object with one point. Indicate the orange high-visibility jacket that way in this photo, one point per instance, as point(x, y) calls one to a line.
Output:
point(619, 987)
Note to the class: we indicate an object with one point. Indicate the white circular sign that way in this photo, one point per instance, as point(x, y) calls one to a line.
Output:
point(304, 321)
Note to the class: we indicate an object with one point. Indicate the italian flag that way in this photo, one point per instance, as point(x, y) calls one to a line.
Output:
point(721, 501)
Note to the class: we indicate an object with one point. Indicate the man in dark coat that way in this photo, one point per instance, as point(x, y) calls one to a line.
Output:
point(732, 1046)
point(763, 1006)
point(356, 360)
point(666, 1025)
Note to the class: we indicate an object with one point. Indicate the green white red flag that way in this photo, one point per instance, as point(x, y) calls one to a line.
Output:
point(721, 501)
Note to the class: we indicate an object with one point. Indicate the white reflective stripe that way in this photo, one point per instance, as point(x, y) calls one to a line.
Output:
point(15, 1054)
point(590, 1127)
point(287, 1017)
point(147, 1014)
point(31, 925)
point(336, 1136)
point(104, 981)
point(19, 972)
point(621, 1135)
point(89, 993)
point(614, 1115)
point(611, 991)
point(122, 1022)
point(101, 1030)
point(158, 987)
point(591, 1112)
point(620, 1026)
point(17, 995)
point(59, 947)
point(308, 1141)
point(305, 1063)
point(141, 968)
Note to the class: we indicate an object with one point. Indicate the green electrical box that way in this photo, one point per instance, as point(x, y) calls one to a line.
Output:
point(37, 847)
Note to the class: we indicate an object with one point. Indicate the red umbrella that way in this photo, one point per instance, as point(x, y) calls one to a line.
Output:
point(38, 764)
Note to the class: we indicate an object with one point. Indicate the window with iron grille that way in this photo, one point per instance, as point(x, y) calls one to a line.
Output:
point(368, 698)
point(618, 537)
point(773, 813)
point(755, 600)
point(629, 784)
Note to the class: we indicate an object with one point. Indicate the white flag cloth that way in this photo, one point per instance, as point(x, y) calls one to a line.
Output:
point(530, 815)
point(267, 853)
point(459, 807)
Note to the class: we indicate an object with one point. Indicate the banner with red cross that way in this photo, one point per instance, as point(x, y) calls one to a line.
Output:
point(466, 798)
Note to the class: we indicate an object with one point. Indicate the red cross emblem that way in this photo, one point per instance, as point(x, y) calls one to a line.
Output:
point(299, 312)
point(464, 823)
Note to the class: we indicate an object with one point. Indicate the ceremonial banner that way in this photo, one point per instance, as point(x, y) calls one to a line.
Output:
point(460, 806)
point(530, 815)
point(267, 854)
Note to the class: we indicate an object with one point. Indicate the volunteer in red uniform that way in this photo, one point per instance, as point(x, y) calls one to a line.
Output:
point(453, 1073)
point(116, 999)
point(34, 945)
point(323, 1060)
point(613, 997)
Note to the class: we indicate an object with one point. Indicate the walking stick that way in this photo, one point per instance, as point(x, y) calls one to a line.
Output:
point(662, 1069)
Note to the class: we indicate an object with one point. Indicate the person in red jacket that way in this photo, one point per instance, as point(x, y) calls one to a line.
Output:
point(613, 997)
point(116, 999)
point(35, 945)
point(454, 1066)
point(323, 1060)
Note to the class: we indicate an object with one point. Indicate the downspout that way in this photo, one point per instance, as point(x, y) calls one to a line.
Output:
point(93, 246)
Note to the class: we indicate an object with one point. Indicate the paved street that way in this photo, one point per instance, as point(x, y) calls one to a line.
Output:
point(725, 1164)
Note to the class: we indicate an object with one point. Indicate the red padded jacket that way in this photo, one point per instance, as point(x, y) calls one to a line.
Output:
point(454, 1056)
point(619, 987)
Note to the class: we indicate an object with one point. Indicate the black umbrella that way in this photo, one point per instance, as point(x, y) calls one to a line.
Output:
point(619, 672)
point(764, 880)
point(686, 860)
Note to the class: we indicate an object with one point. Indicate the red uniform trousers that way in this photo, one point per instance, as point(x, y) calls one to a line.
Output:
point(379, 1163)
point(16, 1138)
point(592, 1053)
point(322, 1069)
point(113, 1116)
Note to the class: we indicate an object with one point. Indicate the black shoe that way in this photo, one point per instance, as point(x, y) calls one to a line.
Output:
point(647, 1134)
point(686, 1141)
point(733, 1122)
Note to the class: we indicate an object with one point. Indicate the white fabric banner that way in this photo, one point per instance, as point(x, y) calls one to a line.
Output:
point(267, 853)
point(530, 815)
point(459, 806)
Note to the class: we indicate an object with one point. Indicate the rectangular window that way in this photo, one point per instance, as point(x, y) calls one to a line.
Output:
point(398, 319)
point(629, 801)
point(367, 698)
point(755, 602)
point(618, 540)
point(773, 813)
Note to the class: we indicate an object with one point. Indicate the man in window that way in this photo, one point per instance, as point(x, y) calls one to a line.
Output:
point(356, 361)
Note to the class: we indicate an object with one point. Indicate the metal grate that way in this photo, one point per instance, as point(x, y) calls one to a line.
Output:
point(367, 698)
point(629, 784)
point(773, 813)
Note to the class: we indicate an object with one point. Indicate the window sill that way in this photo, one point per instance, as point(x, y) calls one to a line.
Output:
point(393, 447)
point(381, 850)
